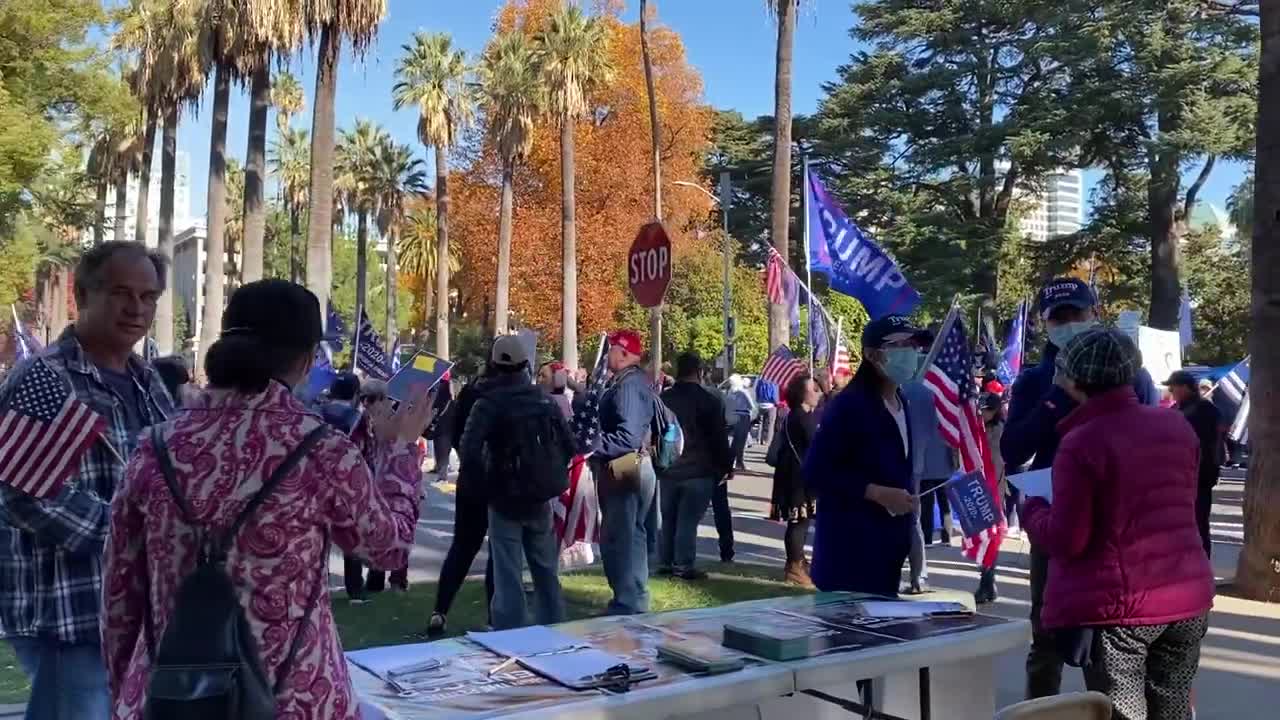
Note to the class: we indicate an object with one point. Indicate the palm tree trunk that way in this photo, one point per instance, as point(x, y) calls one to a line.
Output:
point(320, 219)
point(100, 211)
point(144, 179)
point(569, 240)
point(122, 204)
point(295, 274)
point(168, 172)
point(655, 313)
point(215, 241)
point(428, 306)
point(255, 175)
point(502, 302)
point(362, 263)
point(393, 277)
point(442, 252)
point(1258, 569)
point(779, 324)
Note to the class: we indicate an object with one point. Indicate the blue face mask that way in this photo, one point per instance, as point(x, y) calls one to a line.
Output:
point(1062, 335)
point(900, 364)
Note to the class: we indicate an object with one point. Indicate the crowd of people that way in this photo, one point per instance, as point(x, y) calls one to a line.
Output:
point(239, 488)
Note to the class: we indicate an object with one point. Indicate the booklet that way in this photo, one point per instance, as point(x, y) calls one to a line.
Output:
point(912, 609)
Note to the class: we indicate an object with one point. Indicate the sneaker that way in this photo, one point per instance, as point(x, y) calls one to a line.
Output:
point(691, 574)
point(436, 626)
point(919, 588)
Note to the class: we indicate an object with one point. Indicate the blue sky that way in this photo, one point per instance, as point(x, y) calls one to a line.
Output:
point(731, 42)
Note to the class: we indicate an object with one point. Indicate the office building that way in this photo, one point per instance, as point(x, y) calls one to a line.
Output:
point(1056, 209)
point(182, 219)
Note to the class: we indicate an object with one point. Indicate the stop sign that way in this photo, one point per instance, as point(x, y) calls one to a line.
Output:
point(649, 265)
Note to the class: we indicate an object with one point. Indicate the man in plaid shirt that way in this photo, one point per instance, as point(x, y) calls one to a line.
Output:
point(51, 550)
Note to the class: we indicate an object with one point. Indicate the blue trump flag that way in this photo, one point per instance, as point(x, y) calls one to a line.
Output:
point(370, 356)
point(973, 504)
point(851, 260)
point(1011, 358)
point(335, 331)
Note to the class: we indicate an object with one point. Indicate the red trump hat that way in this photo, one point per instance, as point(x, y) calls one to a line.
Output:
point(628, 340)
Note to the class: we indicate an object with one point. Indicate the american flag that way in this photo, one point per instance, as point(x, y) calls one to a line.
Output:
point(955, 398)
point(44, 431)
point(775, 275)
point(586, 419)
point(577, 514)
point(781, 367)
point(841, 365)
point(1240, 428)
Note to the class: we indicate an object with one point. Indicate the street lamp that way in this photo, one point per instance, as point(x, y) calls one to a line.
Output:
point(724, 201)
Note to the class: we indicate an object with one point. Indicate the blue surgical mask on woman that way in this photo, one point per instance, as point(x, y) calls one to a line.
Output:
point(1061, 335)
point(900, 364)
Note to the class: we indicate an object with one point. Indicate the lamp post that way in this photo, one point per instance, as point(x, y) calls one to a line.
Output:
point(725, 200)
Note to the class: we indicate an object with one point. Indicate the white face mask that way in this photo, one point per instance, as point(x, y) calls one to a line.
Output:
point(1062, 335)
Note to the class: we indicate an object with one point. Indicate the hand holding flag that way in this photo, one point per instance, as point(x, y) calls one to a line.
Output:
point(44, 432)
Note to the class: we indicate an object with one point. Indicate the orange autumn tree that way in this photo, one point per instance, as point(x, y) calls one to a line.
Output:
point(614, 183)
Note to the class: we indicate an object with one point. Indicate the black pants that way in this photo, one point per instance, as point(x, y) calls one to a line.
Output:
point(926, 509)
point(797, 533)
point(724, 520)
point(357, 584)
point(1044, 664)
point(470, 525)
point(1204, 510)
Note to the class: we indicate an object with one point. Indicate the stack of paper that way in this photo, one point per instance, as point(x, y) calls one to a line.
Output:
point(401, 665)
point(912, 609)
point(526, 641)
point(1036, 483)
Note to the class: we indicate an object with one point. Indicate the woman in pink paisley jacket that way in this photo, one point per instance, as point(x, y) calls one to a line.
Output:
point(223, 448)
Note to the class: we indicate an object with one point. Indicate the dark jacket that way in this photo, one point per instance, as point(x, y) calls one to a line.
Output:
point(858, 545)
point(1206, 421)
point(626, 412)
point(1037, 405)
point(461, 411)
point(791, 499)
point(706, 444)
point(1121, 533)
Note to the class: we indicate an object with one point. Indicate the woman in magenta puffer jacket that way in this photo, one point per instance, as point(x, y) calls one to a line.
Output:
point(1126, 563)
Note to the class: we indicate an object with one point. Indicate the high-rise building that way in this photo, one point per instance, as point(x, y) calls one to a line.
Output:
point(181, 202)
point(1057, 209)
point(189, 265)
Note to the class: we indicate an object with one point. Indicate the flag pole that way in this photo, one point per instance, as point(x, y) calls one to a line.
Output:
point(808, 266)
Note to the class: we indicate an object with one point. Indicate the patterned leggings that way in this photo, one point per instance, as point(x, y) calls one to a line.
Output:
point(1147, 670)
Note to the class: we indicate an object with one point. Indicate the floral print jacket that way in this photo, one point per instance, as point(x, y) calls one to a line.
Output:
point(223, 448)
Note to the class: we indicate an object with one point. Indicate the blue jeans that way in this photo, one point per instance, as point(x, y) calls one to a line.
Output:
point(511, 543)
point(741, 433)
point(684, 502)
point(68, 682)
point(628, 521)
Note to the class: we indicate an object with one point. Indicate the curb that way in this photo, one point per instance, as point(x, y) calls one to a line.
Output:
point(12, 711)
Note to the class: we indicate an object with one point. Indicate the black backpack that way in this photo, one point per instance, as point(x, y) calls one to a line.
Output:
point(527, 453)
point(208, 665)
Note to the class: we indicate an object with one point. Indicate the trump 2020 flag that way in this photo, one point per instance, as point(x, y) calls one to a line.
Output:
point(973, 503)
point(44, 432)
point(370, 357)
point(423, 369)
point(855, 265)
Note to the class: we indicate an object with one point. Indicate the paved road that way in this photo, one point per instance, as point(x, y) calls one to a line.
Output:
point(1240, 664)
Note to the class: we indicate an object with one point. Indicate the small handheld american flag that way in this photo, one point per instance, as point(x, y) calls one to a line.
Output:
point(956, 398)
point(774, 279)
point(44, 431)
point(586, 419)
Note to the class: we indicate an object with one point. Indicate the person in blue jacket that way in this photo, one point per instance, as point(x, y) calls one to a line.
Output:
point(1036, 406)
point(859, 467)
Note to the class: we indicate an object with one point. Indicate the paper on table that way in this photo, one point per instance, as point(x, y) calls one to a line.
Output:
point(910, 609)
point(386, 662)
point(526, 641)
point(583, 668)
point(1036, 483)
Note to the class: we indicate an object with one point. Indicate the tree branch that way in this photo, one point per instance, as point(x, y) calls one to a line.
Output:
point(1196, 186)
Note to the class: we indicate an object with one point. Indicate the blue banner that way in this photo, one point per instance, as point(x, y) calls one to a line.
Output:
point(335, 332)
point(855, 265)
point(422, 370)
point(1011, 358)
point(370, 356)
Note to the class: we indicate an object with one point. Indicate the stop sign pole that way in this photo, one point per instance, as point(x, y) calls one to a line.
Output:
point(649, 275)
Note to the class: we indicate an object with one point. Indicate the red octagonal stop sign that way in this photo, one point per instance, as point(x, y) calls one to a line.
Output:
point(649, 265)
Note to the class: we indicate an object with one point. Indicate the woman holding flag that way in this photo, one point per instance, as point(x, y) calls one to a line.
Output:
point(859, 467)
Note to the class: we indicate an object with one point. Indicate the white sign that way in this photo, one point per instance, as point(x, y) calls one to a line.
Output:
point(1161, 352)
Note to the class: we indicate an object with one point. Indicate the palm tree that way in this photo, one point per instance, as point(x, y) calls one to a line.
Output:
point(286, 96)
point(357, 155)
point(235, 224)
point(330, 21)
point(512, 96)
point(573, 54)
point(275, 30)
point(291, 161)
point(416, 252)
point(432, 75)
point(397, 177)
point(779, 327)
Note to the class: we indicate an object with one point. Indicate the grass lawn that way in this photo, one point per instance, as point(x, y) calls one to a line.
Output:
point(392, 617)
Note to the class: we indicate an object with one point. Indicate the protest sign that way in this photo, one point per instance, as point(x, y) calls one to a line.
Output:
point(423, 369)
